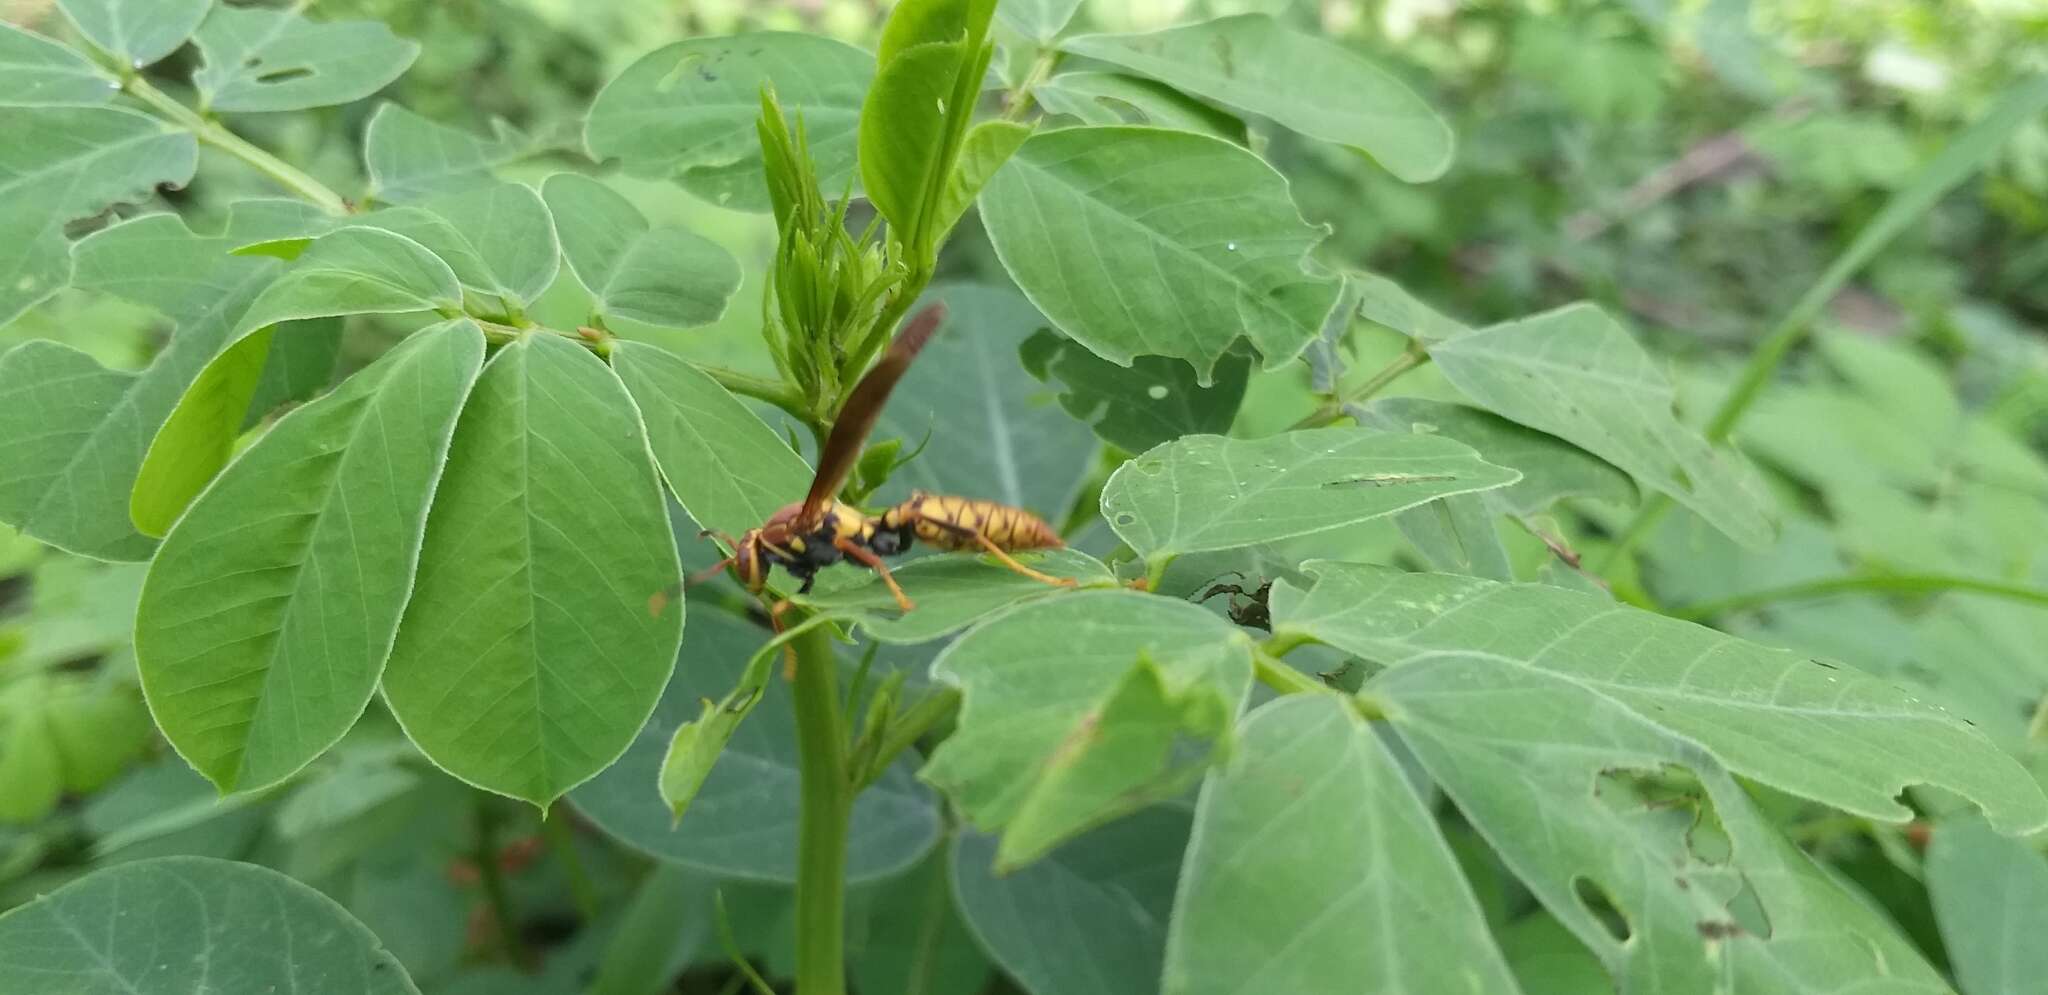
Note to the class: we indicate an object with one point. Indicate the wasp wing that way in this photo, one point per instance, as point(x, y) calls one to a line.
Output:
point(863, 406)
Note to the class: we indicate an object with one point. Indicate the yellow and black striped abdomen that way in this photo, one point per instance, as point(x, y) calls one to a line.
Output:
point(949, 522)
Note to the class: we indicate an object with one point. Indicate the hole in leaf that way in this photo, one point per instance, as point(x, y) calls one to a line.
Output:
point(284, 75)
point(1599, 904)
point(1125, 518)
point(667, 82)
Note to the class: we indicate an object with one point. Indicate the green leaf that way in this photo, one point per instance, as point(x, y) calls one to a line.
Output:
point(921, 22)
point(987, 146)
point(1114, 98)
point(903, 127)
point(74, 432)
point(136, 32)
point(742, 821)
point(1386, 302)
point(275, 60)
point(353, 270)
point(534, 644)
point(1458, 534)
point(1989, 892)
point(952, 592)
point(1140, 241)
point(498, 239)
point(1088, 919)
point(71, 163)
point(271, 608)
point(725, 465)
point(1251, 63)
point(189, 926)
point(686, 112)
point(914, 940)
point(37, 71)
point(1622, 825)
point(198, 438)
point(1552, 469)
point(663, 276)
point(409, 157)
point(1861, 741)
point(1038, 20)
point(1259, 908)
point(985, 428)
point(1206, 492)
point(1549, 960)
point(1048, 684)
point(1577, 374)
point(1151, 401)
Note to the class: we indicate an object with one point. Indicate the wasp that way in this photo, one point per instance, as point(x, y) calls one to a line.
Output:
point(810, 535)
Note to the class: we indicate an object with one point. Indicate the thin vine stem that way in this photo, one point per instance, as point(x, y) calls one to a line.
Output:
point(217, 135)
point(1410, 358)
point(1873, 584)
point(1041, 70)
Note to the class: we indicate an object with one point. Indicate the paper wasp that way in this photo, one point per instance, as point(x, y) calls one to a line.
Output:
point(819, 531)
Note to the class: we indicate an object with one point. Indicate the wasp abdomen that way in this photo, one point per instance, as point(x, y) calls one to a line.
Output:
point(950, 522)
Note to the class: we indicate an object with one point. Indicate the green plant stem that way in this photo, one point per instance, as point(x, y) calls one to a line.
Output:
point(1411, 357)
point(761, 389)
point(492, 877)
point(1876, 584)
point(827, 804)
point(1040, 71)
point(562, 839)
point(217, 135)
point(911, 726)
point(1275, 674)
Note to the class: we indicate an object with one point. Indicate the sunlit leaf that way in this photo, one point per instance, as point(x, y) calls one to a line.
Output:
point(409, 157)
point(353, 270)
point(1207, 492)
point(35, 70)
point(1259, 907)
point(1088, 919)
point(725, 465)
point(1577, 374)
point(1989, 892)
point(69, 163)
point(73, 432)
point(1050, 685)
point(136, 32)
point(663, 276)
point(274, 60)
point(1307, 84)
point(686, 111)
point(536, 643)
point(188, 926)
point(1142, 241)
point(1860, 741)
point(271, 608)
point(742, 821)
point(1115, 98)
point(1152, 401)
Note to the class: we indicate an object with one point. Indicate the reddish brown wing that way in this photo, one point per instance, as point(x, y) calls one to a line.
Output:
point(863, 406)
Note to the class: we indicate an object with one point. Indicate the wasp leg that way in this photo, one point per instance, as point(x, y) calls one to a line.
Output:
point(1001, 555)
point(869, 560)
